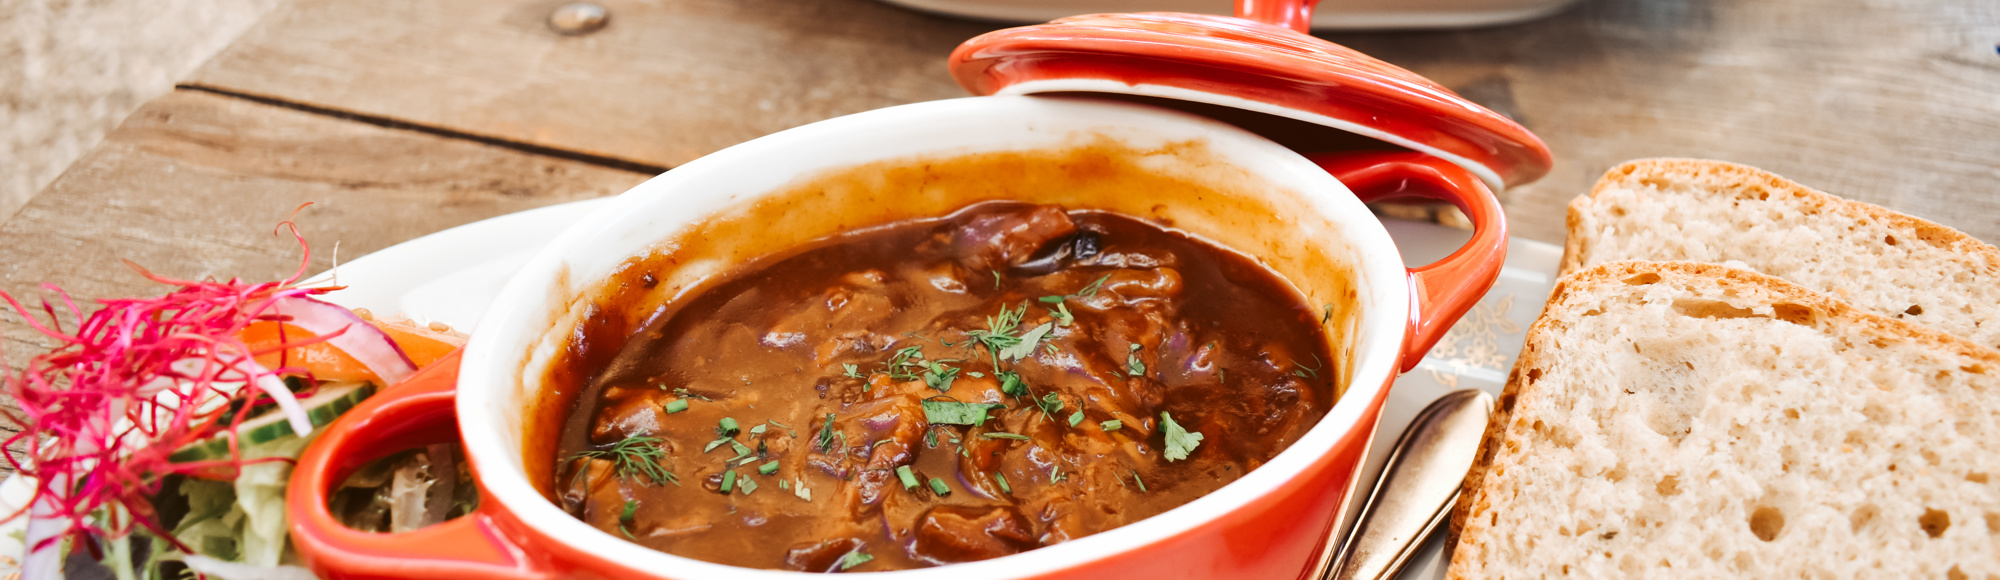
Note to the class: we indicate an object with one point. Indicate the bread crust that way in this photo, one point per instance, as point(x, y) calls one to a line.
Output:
point(1768, 289)
point(1741, 179)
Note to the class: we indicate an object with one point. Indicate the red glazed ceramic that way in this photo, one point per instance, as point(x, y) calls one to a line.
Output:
point(1299, 212)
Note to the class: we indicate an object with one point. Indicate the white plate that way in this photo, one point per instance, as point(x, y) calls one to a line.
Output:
point(450, 277)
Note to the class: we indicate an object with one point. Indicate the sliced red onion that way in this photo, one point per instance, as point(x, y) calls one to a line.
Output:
point(356, 337)
point(275, 387)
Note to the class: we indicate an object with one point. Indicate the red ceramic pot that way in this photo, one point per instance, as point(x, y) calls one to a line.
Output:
point(1297, 209)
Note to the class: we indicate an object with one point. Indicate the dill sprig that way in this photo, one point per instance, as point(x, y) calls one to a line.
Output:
point(633, 457)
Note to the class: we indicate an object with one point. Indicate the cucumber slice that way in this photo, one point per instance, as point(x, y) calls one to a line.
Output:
point(332, 400)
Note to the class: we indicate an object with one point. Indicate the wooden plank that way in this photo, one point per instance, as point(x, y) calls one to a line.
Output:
point(663, 83)
point(1895, 103)
point(192, 185)
point(1890, 102)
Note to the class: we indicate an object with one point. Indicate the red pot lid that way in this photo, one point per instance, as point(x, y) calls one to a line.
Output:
point(1245, 64)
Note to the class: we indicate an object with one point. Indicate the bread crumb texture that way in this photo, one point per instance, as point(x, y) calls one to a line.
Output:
point(1688, 420)
point(1710, 211)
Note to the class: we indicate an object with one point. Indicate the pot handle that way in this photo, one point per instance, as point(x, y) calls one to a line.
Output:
point(416, 411)
point(1293, 14)
point(1445, 290)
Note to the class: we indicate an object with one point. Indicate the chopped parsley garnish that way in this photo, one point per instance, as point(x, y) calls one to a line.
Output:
point(1012, 385)
point(1002, 480)
point(855, 558)
point(716, 443)
point(1062, 315)
point(1050, 403)
point(625, 517)
point(748, 485)
point(1133, 365)
point(899, 364)
point(909, 479)
point(956, 413)
point(759, 429)
point(1091, 290)
point(768, 468)
point(1112, 425)
point(937, 485)
point(635, 456)
point(728, 482)
point(930, 439)
point(939, 377)
point(1002, 435)
point(1024, 346)
point(853, 372)
point(727, 427)
point(1075, 418)
point(676, 406)
point(825, 439)
point(1307, 372)
point(1179, 441)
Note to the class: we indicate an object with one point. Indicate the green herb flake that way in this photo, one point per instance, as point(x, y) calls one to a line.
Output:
point(939, 377)
point(727, 427)
point(1000, 435)
point(742, 450)
point(1179, 441)
point(853, 372)
point(768, 468)
point(728, 482)
point(825, 439)
point(785, 484)
point(1012, 385)
point(1112, 425)
point(1002, 480)
point(996, 279)
point(1091, 290)
point(937, 485)
point(956, 413)
point(909, 479)
point(930, 439)
point(854, 558)
point(1075, 418)
point(1062, 315)
point(1050, 403)
point(635, 456)
point(676, 406)
point(977, 374)
point(1306, 372)
point(1024, 347)
point(716, 443)
point(631, 509)
point(1133, 365)
point(748, 485)
point(1051, 299)
point(1135, 477)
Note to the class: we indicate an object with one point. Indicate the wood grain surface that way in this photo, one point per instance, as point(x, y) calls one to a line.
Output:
point(1895, 102)
point(193, 184)
point(663, 83)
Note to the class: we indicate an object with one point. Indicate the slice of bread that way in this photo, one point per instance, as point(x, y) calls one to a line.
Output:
point(1693, 420)
point(1711, 211)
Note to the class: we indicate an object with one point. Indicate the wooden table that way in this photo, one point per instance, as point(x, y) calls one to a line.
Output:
point(402, 117)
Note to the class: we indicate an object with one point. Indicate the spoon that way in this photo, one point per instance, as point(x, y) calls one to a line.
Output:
point(1417, 489)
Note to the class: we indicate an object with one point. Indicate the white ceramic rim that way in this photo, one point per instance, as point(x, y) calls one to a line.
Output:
point(520, 314)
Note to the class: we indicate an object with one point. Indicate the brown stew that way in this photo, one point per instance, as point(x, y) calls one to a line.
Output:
point(944, 390)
